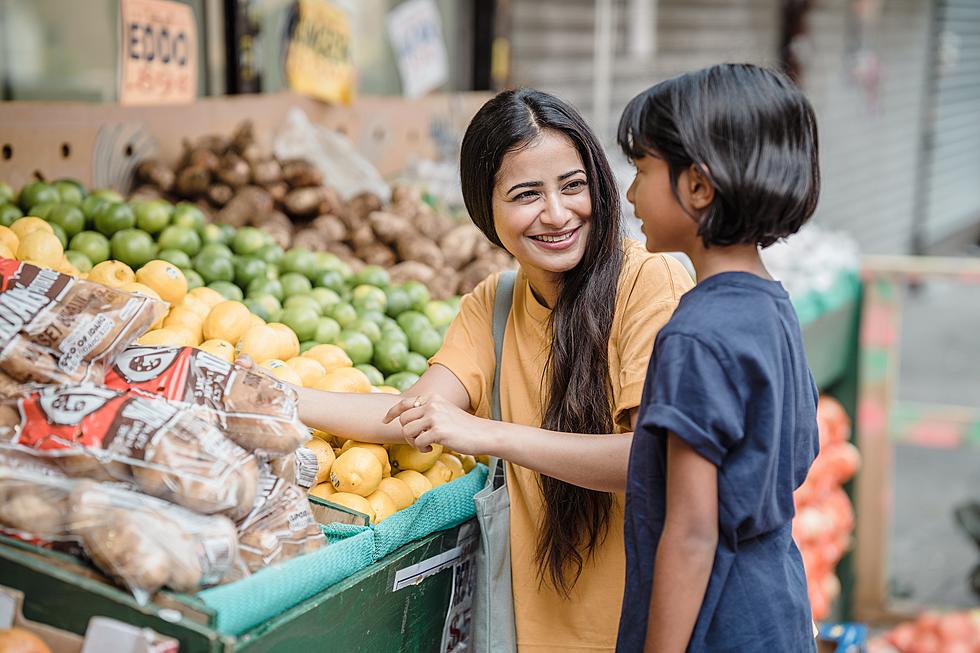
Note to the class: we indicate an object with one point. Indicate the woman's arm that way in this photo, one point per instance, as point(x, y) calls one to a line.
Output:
point(597, 462)
point(686, 551)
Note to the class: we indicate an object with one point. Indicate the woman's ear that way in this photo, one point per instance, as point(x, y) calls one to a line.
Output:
point(700, 190)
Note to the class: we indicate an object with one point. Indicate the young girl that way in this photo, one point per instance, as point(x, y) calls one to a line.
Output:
point(726, 163)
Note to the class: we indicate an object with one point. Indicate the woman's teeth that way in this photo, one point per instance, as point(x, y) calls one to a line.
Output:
point(554, 239)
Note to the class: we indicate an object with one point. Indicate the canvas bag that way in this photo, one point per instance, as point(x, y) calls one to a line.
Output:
point(493, 629)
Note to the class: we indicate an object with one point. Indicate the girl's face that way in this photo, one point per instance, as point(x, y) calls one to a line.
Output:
point(542, 207)
point(666, 225)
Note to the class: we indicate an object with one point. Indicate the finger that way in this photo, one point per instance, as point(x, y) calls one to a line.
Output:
point(426, 439)
point(413, 414)
point(417, 427)
point(245, 361)
point(400, 407)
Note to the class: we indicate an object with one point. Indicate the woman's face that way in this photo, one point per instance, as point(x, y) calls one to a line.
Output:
point(666, 225)
point(542, 207)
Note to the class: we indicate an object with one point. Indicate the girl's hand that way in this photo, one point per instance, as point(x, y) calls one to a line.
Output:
point(428, 420)
point(245, 361)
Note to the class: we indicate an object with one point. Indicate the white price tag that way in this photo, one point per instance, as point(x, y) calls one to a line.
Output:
point(415, 31)
point(456, 632)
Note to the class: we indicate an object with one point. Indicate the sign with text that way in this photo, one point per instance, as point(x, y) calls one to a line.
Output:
point(159, 57)
point(319, 58)
point(415, 31)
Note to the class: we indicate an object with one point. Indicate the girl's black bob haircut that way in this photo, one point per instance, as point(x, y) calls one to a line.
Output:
point(750, 130)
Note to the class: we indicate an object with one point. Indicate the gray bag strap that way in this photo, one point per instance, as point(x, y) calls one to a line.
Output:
point(501, 309)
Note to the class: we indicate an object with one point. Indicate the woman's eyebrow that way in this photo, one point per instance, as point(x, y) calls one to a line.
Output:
point(525, 184)
point(570, 173)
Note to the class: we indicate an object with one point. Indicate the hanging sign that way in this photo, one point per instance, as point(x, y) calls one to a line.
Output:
point(319, 61)
point(415, 31)
point(158, 53)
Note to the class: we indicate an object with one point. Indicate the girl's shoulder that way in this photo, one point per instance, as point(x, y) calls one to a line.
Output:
point(651, 277)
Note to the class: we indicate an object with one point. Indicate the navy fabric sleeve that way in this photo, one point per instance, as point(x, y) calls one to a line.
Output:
point(693, 396)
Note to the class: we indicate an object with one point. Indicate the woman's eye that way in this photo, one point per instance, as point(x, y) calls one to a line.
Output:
point(577, 184)
point(526, 195)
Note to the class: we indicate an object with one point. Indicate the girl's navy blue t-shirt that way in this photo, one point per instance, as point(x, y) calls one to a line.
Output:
point(729, 376)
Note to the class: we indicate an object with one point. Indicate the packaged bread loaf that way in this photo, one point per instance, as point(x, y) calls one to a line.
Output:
point(167, 449)
point(280, 527)
point(254, 409)
point(55, 328)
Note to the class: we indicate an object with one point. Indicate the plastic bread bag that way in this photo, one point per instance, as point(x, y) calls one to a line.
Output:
point(142, 542)
point(166, 449)
point(300, 467)
point(256, 410)
point(280, 527)
point(55, 328)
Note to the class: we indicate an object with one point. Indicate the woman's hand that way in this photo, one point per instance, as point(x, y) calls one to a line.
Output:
point(245, 361)
point(431, 419)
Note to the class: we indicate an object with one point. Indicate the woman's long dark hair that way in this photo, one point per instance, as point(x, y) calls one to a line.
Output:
point(576, 519)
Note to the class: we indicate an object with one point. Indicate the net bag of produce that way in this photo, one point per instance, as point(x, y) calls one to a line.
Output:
point(254, 409)
point(55, 328)
point(142, 542)
point(166, 449)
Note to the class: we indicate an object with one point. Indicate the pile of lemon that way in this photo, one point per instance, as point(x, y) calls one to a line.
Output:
point(379, 480)
point(33, 240)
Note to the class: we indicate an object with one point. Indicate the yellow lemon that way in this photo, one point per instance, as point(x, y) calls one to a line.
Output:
point(382, 505)
point(260, 342)
point(352, 501)
point(112, 273)
point(282, 371)
point(331, 357)
point(146, 291)
point(405, 456)
point(357, 471)
point(207, 295)
point(9, 238)
point(387, 389)
point(454, 464)
point(379, 452)
point(41, 246)
point(199, 307)
point(308, 369)
point(227, 320)
point(163, 338)
point(181, 316)
point(255, 320)
point(415, 481)
point(23, 226)
point(6, 252)
point(469, 462)
point(398, 490)
point(322, 490)
point(220, 348)
point(438, 474)
point(324, 458)
point(289, 343)
point(187, 337)
point(344, 379)
point(165, 278)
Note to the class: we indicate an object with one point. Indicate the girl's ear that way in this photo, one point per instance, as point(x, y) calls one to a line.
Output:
point(700, 190)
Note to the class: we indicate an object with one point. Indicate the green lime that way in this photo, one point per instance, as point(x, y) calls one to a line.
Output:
point(272, 270)
point(372, 373)
point(92, 244)
point(256, 307)
point(369, 298)
point(270, 253)
point(60, 233)
point(372, 275)
point(416, 363)
point(248, 269)
point(398, 301)
point(215, 250)
point(69, 217)
point(194, 280)
point(368, 328)
point(6, 193)
point(331, 279)
point(43, 210)
point(440, 314)
point(327, 331)
point(107, 194)
point(294, 283)
point(418, 292)
point(175, 256)
point(212, 233)
point(152, 216)
point(455, 301)
point(394, 333)
point(9, 213)
point(228, 231)
point(302, 320)
point(441, 330)
point(303, 301)
point(357, 345)
point(344, 314)
point(247, 241)
point(227, 289)
point(266, 287)
point(71, 191)
point(270, 305)
point(411, 321)
point(188, 215)
point(114, 217)
point(307, 345)
point(425, 341)
point(36, 193)
point(79, 260)
point(91, 206)
point(218, 268)
point(402, 381)
point(326, 298)
point(373, 316)
point(182, 238)
point(299, 261)
point(133, 247)
point(391, 356)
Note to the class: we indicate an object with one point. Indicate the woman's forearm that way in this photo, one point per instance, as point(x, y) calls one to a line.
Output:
point(349, 415)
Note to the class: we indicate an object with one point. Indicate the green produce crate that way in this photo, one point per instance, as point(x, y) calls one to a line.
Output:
point(829, 323)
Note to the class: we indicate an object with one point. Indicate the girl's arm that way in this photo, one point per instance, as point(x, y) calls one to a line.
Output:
point(686, 551)
point(597, 462)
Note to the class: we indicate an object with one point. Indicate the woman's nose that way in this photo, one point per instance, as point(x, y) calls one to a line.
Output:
point(555, 214)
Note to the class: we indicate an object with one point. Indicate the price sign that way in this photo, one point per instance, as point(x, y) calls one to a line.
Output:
point(415, 31)
point(158, 53)
point(456, 632)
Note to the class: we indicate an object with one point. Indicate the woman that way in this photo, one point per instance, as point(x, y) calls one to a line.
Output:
point(586, 308)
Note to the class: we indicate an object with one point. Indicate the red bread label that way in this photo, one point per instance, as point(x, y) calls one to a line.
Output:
point(177, 373)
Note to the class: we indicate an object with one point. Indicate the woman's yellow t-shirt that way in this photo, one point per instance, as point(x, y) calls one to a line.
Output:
point(650, 286)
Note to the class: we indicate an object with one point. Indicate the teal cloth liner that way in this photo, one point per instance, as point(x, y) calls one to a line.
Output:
point(252, 601)
point(811, 306)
